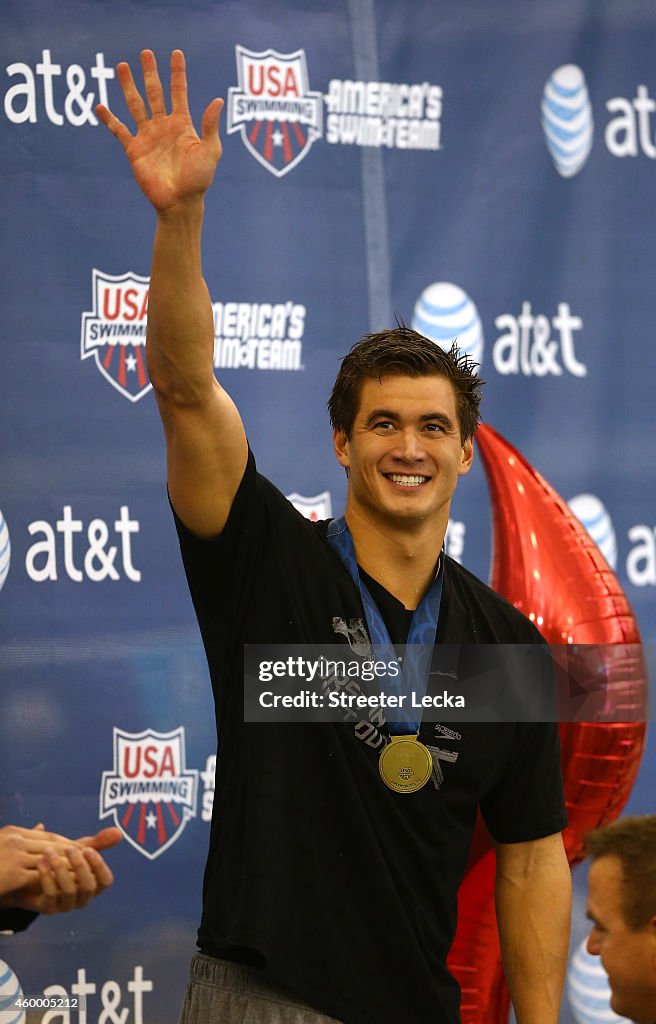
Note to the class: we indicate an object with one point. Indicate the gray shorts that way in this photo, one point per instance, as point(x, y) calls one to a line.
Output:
point(220, 992)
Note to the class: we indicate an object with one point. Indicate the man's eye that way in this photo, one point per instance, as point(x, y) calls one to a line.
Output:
point(434, 428)
point(383, 425)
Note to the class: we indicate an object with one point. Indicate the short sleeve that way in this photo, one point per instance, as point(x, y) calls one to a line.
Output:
point(219, 568)
point(528, 801)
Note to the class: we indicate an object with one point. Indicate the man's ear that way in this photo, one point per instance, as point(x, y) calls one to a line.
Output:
point(341, 443)
point(466, 457)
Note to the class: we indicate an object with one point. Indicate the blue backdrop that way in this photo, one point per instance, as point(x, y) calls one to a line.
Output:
point(483, 170)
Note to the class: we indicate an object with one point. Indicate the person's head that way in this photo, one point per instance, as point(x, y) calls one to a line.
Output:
point(622, 908)
point(403, 352)
point(404, 413)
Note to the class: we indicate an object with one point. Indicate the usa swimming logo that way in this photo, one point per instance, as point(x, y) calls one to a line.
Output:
point(114, 332)
point(278, 116)
point(567, 119)
point(445, 313)
point(314, 509)
point(150, 794)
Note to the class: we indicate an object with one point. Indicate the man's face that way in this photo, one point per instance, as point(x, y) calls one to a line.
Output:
point(629, 957)
point(405, 454)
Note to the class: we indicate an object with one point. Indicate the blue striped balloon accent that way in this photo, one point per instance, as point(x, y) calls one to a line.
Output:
point(567, 119)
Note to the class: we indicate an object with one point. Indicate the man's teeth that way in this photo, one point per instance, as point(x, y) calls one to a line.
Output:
point(407, 481)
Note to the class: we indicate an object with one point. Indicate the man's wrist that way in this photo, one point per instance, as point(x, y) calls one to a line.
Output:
point(187, 212)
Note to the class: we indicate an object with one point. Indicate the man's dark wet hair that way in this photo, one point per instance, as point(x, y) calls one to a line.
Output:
point(633, 842)
point(404, 352)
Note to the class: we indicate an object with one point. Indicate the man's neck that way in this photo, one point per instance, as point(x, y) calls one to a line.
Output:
point(402, 557)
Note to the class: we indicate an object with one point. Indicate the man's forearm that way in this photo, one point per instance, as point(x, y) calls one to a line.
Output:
point(180, 321)
point(533, 914)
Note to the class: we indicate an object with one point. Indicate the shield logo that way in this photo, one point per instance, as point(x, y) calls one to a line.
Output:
point(150, 794)
point(114, 331)
point(278, 116)
point(315, 508)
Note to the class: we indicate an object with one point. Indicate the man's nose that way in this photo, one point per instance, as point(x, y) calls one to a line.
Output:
point(409, 446)
point(593, 945)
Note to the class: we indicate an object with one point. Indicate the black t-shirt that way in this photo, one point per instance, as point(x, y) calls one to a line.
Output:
point(337, 887)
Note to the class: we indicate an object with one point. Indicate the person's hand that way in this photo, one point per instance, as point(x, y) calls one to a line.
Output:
point(102, 840)
point(20, 850)
point(171, 164)
point(66, 881)
point(46, 872)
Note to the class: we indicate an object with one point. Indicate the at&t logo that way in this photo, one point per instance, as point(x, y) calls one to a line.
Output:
point(39, 91)
point(444, 312)
point(57, 552)
point(568, 125)
point(10, 993)
point(640, 563)
point(530, 343)
point(592, 514)
point(5, 551)
point(567, 119)
point(588, 990)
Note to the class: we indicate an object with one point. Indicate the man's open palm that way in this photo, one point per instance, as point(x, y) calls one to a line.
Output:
point(171, 164)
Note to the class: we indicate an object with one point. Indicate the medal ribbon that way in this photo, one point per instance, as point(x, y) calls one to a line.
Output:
point(413, 675)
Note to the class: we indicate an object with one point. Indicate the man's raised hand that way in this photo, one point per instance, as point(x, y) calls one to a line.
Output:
point(171, 164)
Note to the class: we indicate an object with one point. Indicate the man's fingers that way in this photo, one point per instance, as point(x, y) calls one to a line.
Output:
point(60, 869)
point(101, 872)
point(63, 887)
point(210, 123)
point(86, 884)
point(37, 840)
point(102, 840)
point(51, 899)
point(152, 84)
point(116, 127)
point(133, 99)
point(46, 878)
point(179, 101)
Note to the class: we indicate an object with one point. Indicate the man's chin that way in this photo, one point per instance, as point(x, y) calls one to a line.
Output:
point(618, 1007)
point(407, 511)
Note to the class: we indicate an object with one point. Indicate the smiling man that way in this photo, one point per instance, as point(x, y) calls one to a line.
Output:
point(336, 850)
point(622, 908)
point(403, 413)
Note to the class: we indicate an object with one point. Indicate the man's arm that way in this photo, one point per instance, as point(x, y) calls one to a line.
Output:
point(533, 900)
point(174, 167)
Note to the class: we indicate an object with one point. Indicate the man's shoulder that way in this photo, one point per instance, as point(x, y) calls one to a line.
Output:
point(489, 609)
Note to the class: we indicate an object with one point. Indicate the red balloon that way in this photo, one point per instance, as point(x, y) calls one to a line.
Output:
point(546, 564)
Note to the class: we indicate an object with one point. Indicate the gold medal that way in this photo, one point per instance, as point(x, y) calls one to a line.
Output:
point(405, 764)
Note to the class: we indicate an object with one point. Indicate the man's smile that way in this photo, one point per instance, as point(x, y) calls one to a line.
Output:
point(407, 480)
